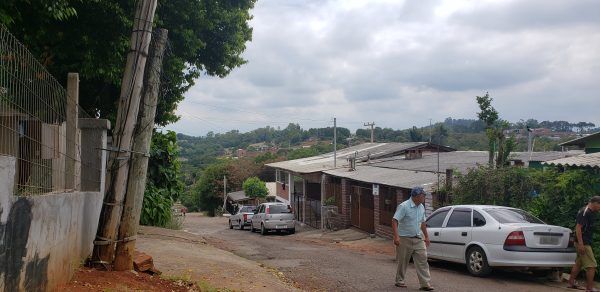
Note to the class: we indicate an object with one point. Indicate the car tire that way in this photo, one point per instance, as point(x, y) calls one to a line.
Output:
point(263, 231)
point(252, 227)
point(241, 225)
point(477, 263)
point(230, 226)
point(292, 231)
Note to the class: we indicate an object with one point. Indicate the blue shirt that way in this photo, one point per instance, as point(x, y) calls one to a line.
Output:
point(409, 217)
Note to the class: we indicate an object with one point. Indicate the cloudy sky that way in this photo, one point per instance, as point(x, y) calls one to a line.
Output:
point(401, 63)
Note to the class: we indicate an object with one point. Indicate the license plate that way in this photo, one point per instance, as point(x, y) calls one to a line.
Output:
point(549, 240)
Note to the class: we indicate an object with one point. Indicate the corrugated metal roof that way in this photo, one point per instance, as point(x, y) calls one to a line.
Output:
point(237, 196)
point(362, 151)
point(460, 160)
point(583, 160)
point(581, 141)
point(391, 177)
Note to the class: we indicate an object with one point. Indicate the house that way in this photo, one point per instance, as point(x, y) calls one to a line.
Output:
point(301, 182)
point(589, 143)
point(240, 198)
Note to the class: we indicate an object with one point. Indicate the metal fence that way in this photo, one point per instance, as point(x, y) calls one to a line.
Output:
point(33, 122)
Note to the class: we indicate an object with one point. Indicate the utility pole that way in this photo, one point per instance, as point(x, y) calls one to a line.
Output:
point(118, 165)
point(371, 124)
point(430, 131)
point(334, 143)
point(136, 184)
point(224, 193)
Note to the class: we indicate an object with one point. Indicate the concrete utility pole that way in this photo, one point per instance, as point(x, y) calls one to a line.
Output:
point(118, 165)
point(224, 193)
point(371, 124)
point(334, 143)
point(430, 131)
point(139, 161)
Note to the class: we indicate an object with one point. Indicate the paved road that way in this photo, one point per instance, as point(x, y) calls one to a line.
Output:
point(320, 266)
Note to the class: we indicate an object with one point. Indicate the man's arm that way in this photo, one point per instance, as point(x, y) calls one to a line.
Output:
point(425, 234)
point(395, 229)
point(578, 234)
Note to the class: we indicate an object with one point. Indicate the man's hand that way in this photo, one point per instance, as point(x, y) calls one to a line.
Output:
point(396, 241)
point(427, 242)
point(581, 249)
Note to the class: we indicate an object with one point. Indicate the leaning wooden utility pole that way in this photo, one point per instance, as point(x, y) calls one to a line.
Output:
point(118, 164)
point(136, 184)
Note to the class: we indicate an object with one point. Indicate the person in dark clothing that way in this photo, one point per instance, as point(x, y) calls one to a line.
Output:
point(585, 255)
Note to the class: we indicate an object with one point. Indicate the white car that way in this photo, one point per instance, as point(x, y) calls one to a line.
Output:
point(483, 237)
point(273, 216)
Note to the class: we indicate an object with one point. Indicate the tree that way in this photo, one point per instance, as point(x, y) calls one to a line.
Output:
point(255, 188)
point(489, 115)
point(415, 134)
point(91, 37)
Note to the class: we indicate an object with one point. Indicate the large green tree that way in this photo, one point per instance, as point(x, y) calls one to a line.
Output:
point(92, 37)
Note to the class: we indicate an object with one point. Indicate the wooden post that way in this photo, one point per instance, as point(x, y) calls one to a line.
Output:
point(139, 162)
point(71, 133)
point(118, 165)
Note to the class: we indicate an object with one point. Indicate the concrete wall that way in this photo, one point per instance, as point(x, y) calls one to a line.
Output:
point(43, 238)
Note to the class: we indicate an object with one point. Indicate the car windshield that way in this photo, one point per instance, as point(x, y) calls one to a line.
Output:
point(247, 209)
point(279, 209)
point(503, 215)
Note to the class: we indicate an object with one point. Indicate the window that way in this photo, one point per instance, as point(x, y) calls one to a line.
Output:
point(261, 209)
point(247, 209)
point(437, 219)
point(478, 219)
point(459, 218)
point(505, 215)
point(279, 209)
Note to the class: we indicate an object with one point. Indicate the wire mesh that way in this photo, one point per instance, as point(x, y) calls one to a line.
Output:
point(33, 122)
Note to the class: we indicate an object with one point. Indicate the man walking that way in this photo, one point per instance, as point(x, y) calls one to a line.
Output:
point(411, 238)
point(585, 255)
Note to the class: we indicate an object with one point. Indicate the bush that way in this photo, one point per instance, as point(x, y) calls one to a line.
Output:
point(255, 188)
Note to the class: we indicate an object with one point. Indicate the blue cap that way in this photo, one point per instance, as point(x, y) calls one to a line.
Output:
point(417, 191)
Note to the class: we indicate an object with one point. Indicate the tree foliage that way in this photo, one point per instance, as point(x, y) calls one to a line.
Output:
point(255, 188)
point(164, 184)
point(92, 38)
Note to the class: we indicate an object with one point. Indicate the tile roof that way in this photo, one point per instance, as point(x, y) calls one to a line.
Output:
point(584, 160)
point(391, 177)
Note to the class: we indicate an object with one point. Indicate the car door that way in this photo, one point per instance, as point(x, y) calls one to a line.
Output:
point(434, 230)
point(256, 219)
point(456, 234)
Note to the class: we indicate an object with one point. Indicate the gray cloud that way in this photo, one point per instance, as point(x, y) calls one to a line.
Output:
point(400, 63)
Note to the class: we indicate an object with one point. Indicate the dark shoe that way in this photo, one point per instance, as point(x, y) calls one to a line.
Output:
point(427, 288)
point(401, 285)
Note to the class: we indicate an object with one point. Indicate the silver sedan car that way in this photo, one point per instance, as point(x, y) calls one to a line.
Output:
point(483, 237)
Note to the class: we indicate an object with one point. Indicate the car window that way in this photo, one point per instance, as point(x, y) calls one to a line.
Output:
point(505, 215)
point(247, 209)
point(436, 220)
point(258, 209)
point(478, 219)
point(279, 209)
point(459, 218)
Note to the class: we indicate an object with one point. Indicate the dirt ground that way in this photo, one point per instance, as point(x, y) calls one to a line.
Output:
point(87, 279)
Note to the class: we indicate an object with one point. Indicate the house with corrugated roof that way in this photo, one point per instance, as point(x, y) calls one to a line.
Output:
point(589, 143)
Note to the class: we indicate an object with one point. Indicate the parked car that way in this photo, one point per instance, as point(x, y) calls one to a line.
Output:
point(483, 237)
point(242, 217)
point(273, 216)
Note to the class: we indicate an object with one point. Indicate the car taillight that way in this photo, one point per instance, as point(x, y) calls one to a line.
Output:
point(515, 238)
point(267, 211)
point(245, 217)
point(571, 241)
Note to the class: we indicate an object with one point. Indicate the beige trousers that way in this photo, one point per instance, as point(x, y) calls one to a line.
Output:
point(415, 248)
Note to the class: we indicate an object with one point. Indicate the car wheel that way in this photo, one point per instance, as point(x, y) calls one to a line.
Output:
point(230, 226)
point(263, 231)
point(241, 225)
point(251, 227)
point(477, 262)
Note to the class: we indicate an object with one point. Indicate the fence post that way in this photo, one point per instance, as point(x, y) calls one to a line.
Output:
point(93, 158)
point(71, 133)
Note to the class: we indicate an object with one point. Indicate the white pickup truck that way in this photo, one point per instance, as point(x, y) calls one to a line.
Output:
point(242, 217)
